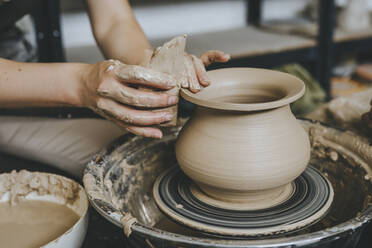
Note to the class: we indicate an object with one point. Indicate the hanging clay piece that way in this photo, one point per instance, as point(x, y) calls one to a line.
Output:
point(243, 147)
point(170, 58)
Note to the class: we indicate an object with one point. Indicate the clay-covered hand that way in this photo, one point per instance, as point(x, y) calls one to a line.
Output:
point(367, 117)
point(195, 68)
point(116, 91)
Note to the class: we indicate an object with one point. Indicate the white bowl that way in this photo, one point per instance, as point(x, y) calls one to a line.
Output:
point(51, 188)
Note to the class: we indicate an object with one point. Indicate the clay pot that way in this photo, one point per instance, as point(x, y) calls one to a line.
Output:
point(243, 145)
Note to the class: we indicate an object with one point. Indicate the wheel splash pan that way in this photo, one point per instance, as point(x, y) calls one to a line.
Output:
point(120, 178)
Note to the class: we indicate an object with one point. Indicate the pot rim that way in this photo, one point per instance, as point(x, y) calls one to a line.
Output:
point(293, 88)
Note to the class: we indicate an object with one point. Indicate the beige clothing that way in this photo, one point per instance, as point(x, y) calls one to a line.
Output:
point(67, 144)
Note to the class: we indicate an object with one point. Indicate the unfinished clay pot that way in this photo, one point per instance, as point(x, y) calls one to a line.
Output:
point(243, 146)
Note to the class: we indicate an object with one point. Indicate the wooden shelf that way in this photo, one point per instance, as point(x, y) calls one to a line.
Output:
point(251, 41)
point(245, 42)
point(310, 30)
point(342, 36)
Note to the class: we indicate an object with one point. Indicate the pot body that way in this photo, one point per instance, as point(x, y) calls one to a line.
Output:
point(230, 154)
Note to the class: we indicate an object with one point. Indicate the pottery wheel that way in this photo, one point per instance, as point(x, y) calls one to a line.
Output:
point(310, 200)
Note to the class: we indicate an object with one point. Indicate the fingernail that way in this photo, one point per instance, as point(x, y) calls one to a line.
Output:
point(206, 82)
point(197, 87)
point(172, 100)
point(157, 135)
point(168, 116)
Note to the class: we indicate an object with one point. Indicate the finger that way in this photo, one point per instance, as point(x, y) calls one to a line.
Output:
point(201, 73)
point(194, 85)
point(149, 132)
point(218, 56)
point(135, 97)
point(144, 76)
point(133, 116)
point(212, 56)
point(184, 80)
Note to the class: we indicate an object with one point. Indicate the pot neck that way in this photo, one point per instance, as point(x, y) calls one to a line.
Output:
point(278, 110)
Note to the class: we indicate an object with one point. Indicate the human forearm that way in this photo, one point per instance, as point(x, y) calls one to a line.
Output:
point(39, 84)
point(105, 87)
point(117, 31)
point(116, 44)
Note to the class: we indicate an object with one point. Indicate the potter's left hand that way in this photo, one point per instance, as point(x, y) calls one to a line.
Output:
point(367, 117)
point(195, 68)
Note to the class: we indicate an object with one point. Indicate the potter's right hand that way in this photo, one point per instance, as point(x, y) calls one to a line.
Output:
point(112, 89)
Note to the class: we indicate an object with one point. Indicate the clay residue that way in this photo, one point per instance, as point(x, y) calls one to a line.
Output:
point(345, 159)
point(332, 143)
point(20, 184)
point(119, 180)
point(137, 155)
point(130, 173)
point(95, 192)
point(346, 112)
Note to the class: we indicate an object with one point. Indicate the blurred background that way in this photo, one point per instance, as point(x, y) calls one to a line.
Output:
point(326, 43)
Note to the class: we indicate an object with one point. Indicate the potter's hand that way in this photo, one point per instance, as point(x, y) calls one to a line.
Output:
point(367, 117)
point(195, 68)
point(111, 89)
